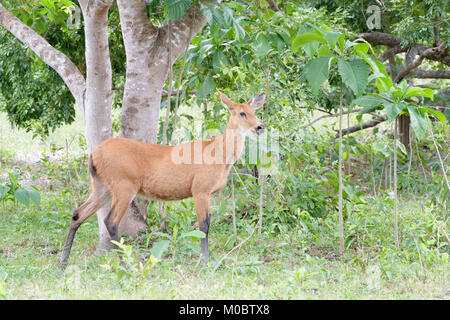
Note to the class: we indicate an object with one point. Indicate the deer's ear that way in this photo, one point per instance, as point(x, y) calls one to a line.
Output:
point(226, 101)
point(257, 100)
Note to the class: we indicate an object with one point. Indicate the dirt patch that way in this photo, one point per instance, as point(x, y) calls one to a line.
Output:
point(323, 252)
point(7, 252)
point(23, 242)
point(52, 251)
point(266, 260)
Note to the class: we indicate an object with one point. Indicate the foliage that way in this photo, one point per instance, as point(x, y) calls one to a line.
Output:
point(178, 242)
point(13, 191)
point(133, 271)
point(396, 100)
point(410, 21)
point(33, 94)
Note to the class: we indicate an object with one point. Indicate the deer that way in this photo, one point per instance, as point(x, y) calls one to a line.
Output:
point(122, 168)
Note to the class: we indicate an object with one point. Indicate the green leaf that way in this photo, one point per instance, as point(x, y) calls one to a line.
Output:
point(418, 121)
point(378, 68)
point(159, 248)
point(341, 41)
point(13, 179)
point(324, 51)
point(304, 38)
point(22, 196)
point(355, 74)
point(220, 60)
point(207, 12)
point(401, 146)
point(393, 110)
point(262, 46)
point(439, 115)
point(240, 32)
point(177, 8)
point(368, 101)
point(311, 49)
point(207, 86)
point(362, 47)
point(419, 92)
point(3, 191)
point(34, 196)
point(195, 234)
point(384, 84)
point(316, 72)
point(332, 38)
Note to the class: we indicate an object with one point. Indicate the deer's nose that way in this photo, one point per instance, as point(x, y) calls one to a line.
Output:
point(260, 129)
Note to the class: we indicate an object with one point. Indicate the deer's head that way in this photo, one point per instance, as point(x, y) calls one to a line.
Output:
point(243, 116)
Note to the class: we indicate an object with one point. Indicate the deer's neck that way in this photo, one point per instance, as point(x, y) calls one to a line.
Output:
point(231, 142)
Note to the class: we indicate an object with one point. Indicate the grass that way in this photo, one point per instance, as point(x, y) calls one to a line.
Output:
point(279, 267)
point(299, 264)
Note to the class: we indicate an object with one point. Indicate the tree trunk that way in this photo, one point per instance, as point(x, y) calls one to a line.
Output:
point(404, 121)
point(98, 101)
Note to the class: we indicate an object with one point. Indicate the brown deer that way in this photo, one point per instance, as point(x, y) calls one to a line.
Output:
point(121, 168)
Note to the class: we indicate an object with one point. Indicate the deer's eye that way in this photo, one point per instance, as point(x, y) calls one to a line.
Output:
point(243, 114)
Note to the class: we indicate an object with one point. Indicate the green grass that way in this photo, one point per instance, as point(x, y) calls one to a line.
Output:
point(301, 263)
point(278, 267)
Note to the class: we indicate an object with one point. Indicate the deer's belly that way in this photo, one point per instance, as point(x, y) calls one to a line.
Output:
point(171, 187)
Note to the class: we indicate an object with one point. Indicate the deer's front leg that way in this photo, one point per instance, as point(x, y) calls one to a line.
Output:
point(202, 208)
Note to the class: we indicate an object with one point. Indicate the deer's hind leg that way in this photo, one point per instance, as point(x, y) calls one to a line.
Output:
point(99, 196)
point(121, 198)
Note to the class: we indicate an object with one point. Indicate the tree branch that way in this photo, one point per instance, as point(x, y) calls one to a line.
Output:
point(391, 41)
point(430, 52)
point(330, 116)
point(392, 51)
point(431, 74)
point(381, 38)
point(185, 28)
point(369, 124)
point(54, 58)
point(273, 5)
